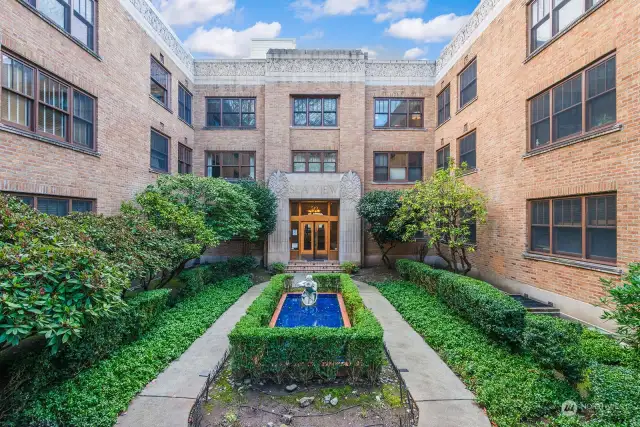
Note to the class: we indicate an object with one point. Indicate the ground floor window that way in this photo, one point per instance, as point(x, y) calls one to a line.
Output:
point(442, 156)
point(231, 165)
point(159, 152)
point(185, 159)
point(57, 206)
point(578, 227)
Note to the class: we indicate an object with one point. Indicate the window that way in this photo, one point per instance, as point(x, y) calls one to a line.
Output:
point(442, 157)
point(400, 167)
point(185, 159)
point(159, 152)
point(558, 113)
point(184, 104)
point(465, 218)
point(57, 206)
point(468, 84)
point(231, 112)
point(316, 111)
point(231, 165)
point(314, 161)
point(75, 17)
point(468, 150)
point(61, 111)
point(581, 227)
point(398, 113)
point(550, 17)
point(160, 83)
point(444, 108)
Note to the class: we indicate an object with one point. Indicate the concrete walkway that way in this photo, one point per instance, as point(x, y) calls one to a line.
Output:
point(168, 399)
point(443, 400)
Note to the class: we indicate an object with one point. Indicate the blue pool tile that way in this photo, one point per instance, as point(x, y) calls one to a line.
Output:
point(326, 312)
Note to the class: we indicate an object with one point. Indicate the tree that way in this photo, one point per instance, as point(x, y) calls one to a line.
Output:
point(266, 206)
point(378, 208)
point(444, 208)
point(623, 303)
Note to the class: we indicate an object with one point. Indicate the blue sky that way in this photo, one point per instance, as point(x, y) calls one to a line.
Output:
point(388, 29)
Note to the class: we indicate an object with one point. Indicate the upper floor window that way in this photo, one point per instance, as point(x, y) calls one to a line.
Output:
point(558, 113)
point(314, 161)
point(37, 102)
point(444, 105)
point(550, 17)
point(468, 150)
point(57, 206)
point(159, 152)
point(75, 17)
point(400, 167)
point(160, 83)
point(231, 112)
point(185, 159)
point(442, 157)
point(315, 111)
point(577, 227)
point(231, 165)
point(184, 104)
point(398, 113)
point(468, 84)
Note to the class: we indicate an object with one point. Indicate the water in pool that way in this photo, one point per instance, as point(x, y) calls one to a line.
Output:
point(326, 312)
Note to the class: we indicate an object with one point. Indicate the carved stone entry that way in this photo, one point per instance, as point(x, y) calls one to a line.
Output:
point(338, 195)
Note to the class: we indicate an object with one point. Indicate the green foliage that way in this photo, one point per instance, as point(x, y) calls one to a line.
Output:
point(378, 208)
point(512, 387)
point(349, 267)
point(266, 206)
point(623, 303)
point(443, 208)
point(304, 353)
point(50, 284)
point(556, 344)
point(496, 313)
point(196, 279)
point(614, 392)
point(278, 267)
point(600, 348)
point(98, 394)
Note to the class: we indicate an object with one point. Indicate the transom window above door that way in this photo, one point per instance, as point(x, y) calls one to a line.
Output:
point(398, 113)
point(231, 165)
point(314, 161)
point(315, 111)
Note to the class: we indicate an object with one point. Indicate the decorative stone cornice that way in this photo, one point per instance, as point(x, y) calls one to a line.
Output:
point(223, 67)
point(417, 69)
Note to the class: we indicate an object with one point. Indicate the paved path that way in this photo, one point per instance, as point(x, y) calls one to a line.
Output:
point(443, 400)
point(167, 400)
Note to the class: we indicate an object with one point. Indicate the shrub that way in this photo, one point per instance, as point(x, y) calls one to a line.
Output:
point(266, 206)
point(614, 392)
point(50, 284)
point(556, 344)
point(623, 303)
point(496, 313)
point(196, 279)
point(278, 267)
point(349, 267)
point(98, 394)
point(600, 348)
point(305, 353)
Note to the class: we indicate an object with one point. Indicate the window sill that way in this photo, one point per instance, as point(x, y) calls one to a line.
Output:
point(587, 265)
point(52, 141)
point(315, 127)
point(470, 171)
point(575, 140)
point(161, 104)
point(185, 122)
point(466, 105)
point(393, 182)
point(563, 32)
point(227, 128)
point(401, 129)
point(46, 19)
point(443, 123)
point(159, 172)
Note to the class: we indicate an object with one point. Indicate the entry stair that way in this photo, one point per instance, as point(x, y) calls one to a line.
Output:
point(313, 267)
point(536, 307)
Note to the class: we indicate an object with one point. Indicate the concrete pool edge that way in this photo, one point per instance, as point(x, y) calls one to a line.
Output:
point(343, 309)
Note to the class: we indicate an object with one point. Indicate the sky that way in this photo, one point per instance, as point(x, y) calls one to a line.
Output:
point(386, 29)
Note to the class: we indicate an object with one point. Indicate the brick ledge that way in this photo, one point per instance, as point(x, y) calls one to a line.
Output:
point(41, 138)
point(585, 137)
point(610, 269)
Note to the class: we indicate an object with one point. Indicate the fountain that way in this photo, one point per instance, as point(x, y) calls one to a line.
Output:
point(310, 293)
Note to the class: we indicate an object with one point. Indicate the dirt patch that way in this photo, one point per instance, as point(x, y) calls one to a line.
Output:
point(376, 274)
point(246, 404)
point(260, 275)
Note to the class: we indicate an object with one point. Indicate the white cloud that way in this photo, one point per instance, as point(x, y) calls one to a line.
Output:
point(187, 12)
point(395, 9)
point(309, 10)
point(314, 34)
point(372, 53)
point(414, 53)
point(225, 42)
point(440, 28)
point(344, 7)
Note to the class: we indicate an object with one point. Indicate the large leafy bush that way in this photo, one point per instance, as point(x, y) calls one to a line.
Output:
point(50, 283)
point(623, 304)
point(266, 208)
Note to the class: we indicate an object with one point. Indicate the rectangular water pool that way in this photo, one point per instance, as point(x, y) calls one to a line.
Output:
point(328, 311)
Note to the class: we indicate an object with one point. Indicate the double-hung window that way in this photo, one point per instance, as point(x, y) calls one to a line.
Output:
point(582, 227)
point(54, 205)
point(314, 161)
point(397, 167)
point(185, 159)
point(231, 165)
point(547, 18)
point(398, 113)
point(315, 111)
point(231, 113)
point(37, 102)
point(444, 105)
point(442, 157)
point(159, 152)
point(160, 83)
point(184, 104)
point(557, 113)
point(468, 150)
point(74, 17)
point(468, 83)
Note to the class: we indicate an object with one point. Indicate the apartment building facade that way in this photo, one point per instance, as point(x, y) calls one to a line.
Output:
point(539, 98)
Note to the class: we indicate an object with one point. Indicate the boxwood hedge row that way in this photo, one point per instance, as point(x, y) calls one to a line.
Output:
point(303, 353)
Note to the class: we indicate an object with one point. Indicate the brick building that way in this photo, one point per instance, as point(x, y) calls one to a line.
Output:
point(539, 97)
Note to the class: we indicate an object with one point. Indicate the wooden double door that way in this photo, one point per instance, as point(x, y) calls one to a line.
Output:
point(315, 236)
point(314, 229)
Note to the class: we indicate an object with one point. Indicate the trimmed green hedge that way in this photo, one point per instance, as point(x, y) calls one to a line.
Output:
point(496, 313)
point(601, 348)
point(196, 279)
point(98, 394)
point(614, 394)
point(306, 353)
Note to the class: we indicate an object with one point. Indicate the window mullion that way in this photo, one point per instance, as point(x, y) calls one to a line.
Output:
point(583, 202)
point(70, 96)
point(551, 234)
